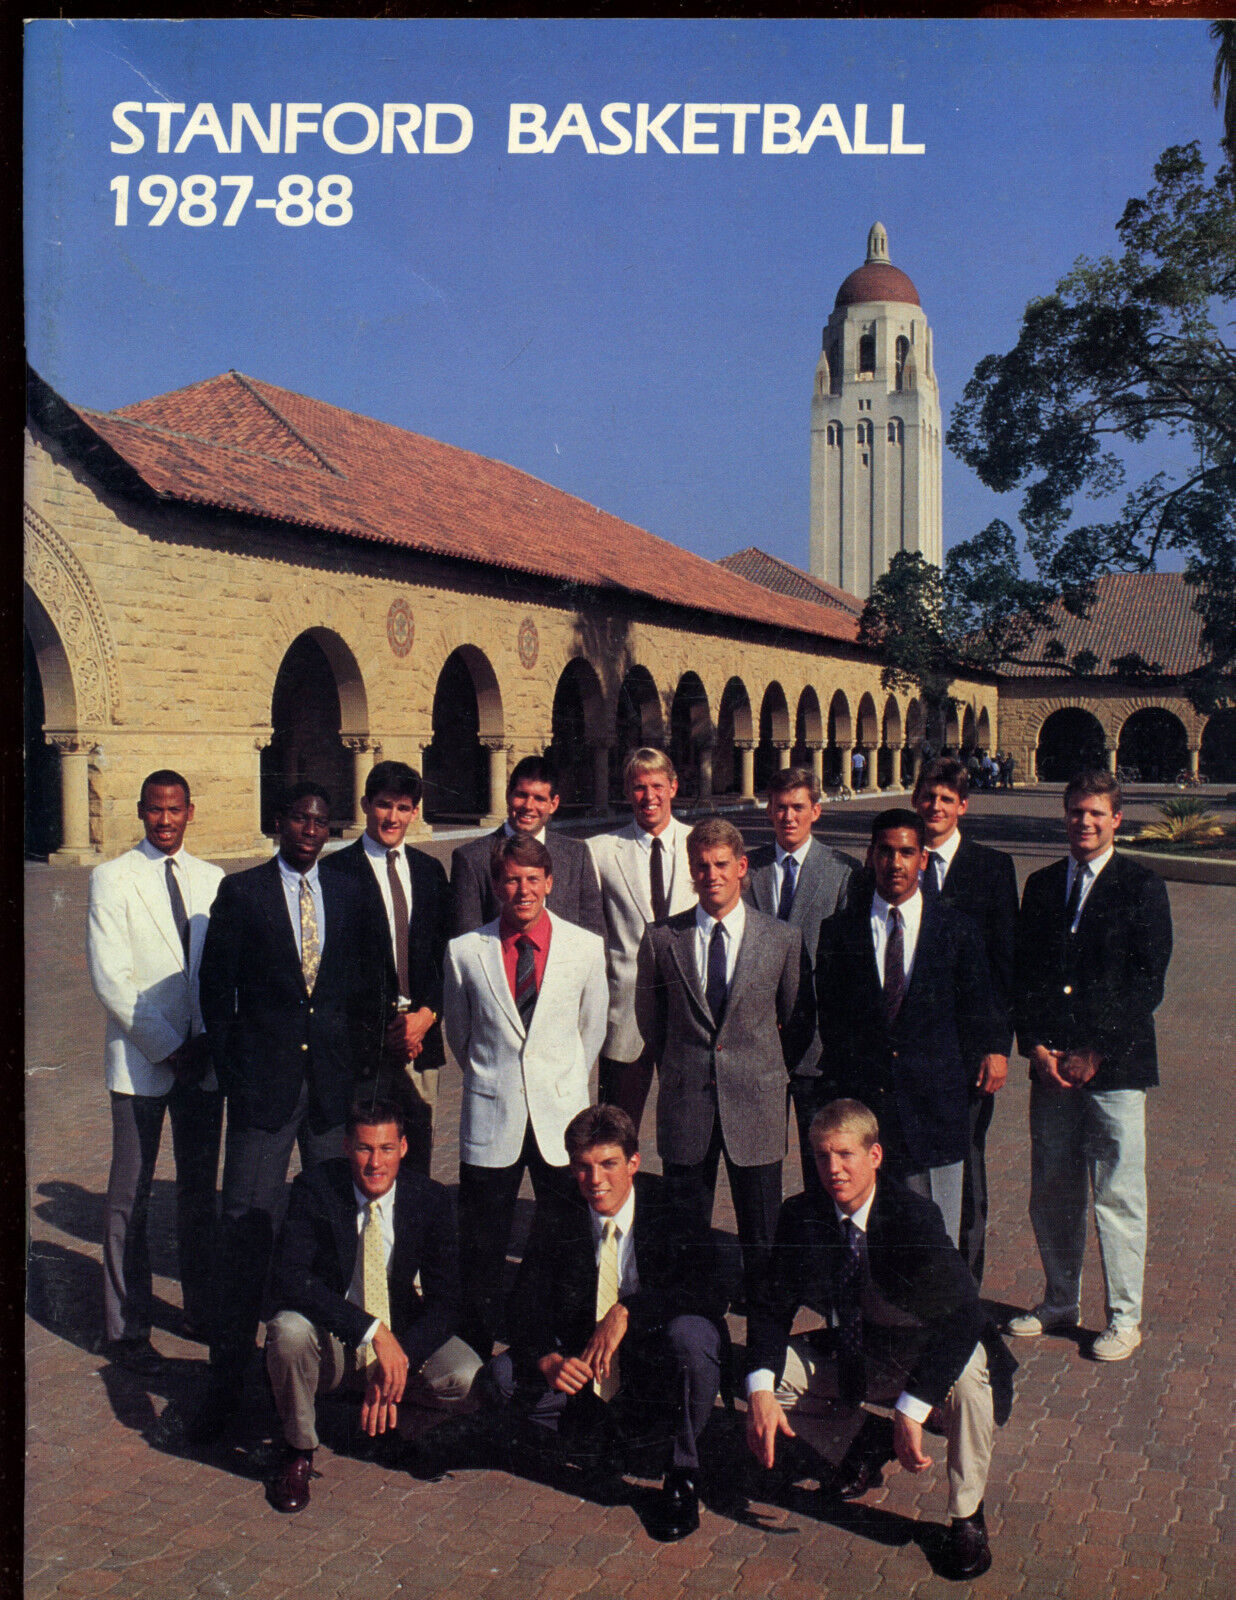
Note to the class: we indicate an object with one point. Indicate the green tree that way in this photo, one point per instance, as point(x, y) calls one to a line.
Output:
point(1128, 348)
point(1224, 88)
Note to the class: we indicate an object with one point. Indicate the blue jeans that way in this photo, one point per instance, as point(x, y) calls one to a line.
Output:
point(1079, 1138)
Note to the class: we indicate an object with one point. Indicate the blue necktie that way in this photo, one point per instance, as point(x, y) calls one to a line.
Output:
point(715, 992)
point(851, 1366)
point(789, 868)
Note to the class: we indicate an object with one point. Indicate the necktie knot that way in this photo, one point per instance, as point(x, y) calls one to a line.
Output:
point(372, 1213)
point(609, 1229)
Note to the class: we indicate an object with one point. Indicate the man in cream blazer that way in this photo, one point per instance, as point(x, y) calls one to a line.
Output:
point(645, 877)
point(147, 918)
point(524, 1016)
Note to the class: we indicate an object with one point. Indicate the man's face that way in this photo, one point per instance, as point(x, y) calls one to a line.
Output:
point(605, 1175)
point(374, 1153)
point(847, 1168)
point(717, 874)
point(897, 858)
point(303, 829)
point(165, 815)
point(1090, 824)
point(388, 817)
point(941, 810)
point(791, 814)
point(650, 794)
point(521, 892)
point(529, 806)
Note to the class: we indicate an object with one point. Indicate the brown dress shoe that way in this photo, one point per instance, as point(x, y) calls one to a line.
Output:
point(290, 1490)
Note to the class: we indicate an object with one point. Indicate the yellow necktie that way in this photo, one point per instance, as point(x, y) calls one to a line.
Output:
point(377, 1297)
point(607, 1299)
point(310, 948)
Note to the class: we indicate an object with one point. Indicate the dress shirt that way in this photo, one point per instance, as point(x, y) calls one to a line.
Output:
point(157, 858)
point(1091, 870)
point(945, 851)
point(514, 833)
point(732, 924)
point(539, 933)
point(291, 895)
point(800, 855)
point(668, 865)
point(376, 855)
point(628, 1274)
point(386, 1219)
point(911, 916)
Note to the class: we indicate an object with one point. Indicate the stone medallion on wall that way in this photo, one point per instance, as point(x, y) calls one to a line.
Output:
point(528, 643)
point(400, 627)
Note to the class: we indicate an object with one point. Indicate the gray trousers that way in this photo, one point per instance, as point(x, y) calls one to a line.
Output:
point(304, 1361)
point(137, 1129)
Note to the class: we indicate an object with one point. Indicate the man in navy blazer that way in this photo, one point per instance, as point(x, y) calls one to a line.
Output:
point(336, 1326)
point(982, 883)
point(905, 1005)
point(292, 1018)
point(408, 900)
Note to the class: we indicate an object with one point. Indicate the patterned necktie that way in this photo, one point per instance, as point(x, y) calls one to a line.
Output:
point(607, 1299)
point(310, 947)
point(717, 988)
point(894, 966)
point(789, 870)
point(1074, 900)
point(373, 1266)
point(179, 915)
point(931, 877)
point(525, 979)
point(399, 903)
point(851, 1367)
point(656, 880)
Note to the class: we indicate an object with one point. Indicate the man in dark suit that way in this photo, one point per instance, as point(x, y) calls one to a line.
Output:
point(406, 893)
point(908, 1328)
point(905, 1005)
point(1093, 942)
point(292, 1017)
point(723, 999)
point(614, 1317)
point(982, 883)
point(531, 800)
point(358, 1233)
point(800, 881)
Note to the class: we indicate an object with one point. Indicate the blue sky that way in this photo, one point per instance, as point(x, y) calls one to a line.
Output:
point(638, 330)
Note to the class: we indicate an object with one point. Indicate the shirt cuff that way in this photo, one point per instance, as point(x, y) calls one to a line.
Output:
point(761, 1381)
point(370, 1333)
point(917, 1410)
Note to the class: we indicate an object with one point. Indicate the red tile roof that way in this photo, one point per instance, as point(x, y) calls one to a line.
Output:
point(1147, 612)
point(874, 281)
point(771, 572)
point(249, 447)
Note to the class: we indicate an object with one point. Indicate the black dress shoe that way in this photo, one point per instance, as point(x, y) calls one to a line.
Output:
point(134, 1355)
point(676, 1511)
point(966, 1552)
point(290, 1490)
point(861, 1468)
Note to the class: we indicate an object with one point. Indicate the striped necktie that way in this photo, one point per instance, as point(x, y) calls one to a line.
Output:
point(607, 1299)
point(525, 979)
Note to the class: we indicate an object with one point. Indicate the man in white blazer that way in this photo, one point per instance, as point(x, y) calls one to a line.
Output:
point(645, 877)
point(147, 920)
point(524, 1015)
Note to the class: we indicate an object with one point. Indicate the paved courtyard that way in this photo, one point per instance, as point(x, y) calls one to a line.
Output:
point(1109, 1481)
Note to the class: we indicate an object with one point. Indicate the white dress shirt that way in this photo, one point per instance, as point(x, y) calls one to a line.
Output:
point(1090, 871)
point(940, 857)
point(291, 895)
point(628, 1274)
point(386, 1219)
point(644, 840)
point(376, 854)
point(732, 925)
point(157, 859)
point(911, 917)
point(514, 833)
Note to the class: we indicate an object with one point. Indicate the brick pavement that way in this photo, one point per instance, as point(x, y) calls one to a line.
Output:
point(1108, 1481)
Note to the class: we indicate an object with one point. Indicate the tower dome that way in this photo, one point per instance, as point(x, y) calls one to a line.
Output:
point(877, 278)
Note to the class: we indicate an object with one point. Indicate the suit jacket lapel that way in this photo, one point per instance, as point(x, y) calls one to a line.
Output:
point(343, 1225)
point(273, 902)
point(495, 972)
point(682, 952)
point(628, 854)
point(763, 887)
point(810, 882)
point(155, 899)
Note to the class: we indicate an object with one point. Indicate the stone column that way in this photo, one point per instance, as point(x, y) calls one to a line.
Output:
point(75, 847)
point(816, 748)
point(1109, 752)
point(843, 762)
point(909, 765)
point(704, 757)
point(420, 829)
point(1195, 757)
point(746, 750)
point(362, 763)
point(259, 838)
point(782, 747)
point(600, 778)
point(497, 782)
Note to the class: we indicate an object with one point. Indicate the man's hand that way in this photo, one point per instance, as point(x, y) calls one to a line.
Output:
point(993, 1070)
point(765, 1420)
point(566, 1374)
point(908, 1443)
point(385, 1384)
point(1045, 1065)
point(189, 1061)
point(608, 1334)
point(1079, 1066)
point(405, 1034)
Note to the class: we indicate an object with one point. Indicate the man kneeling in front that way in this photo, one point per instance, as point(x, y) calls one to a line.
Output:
point(358, 1232)
point(614, 1318)
point(909, 1329)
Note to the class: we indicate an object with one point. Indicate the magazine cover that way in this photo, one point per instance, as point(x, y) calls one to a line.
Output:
point(497, 399)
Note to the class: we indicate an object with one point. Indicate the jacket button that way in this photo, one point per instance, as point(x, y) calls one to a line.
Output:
point(304, 1047)
point(310, 1010)
point(1068, 988)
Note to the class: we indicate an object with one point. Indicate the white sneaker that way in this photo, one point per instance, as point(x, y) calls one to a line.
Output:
point(1117, 1344)
point(1033, 1324)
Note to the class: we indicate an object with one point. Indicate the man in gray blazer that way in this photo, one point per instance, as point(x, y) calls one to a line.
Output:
point(531, 800)
point(723, 994)
point(800, 881)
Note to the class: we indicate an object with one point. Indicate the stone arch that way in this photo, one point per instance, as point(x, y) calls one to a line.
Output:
point(319, 719)
point(1070, 740)
point(808, 728)
point(333, 620)
point(982, 736)
point(735, 734)
point(48, 703)
point(915, 734)
point(1153, 741)
point(950, 729)
point(868, 722)
point(888, 758)
point(465, 762)
point(1218, 747)
point(691, 737)
point(578, 723)
point(80, 673)
point(967, 730)
point(637, 723)
point(840, 738)
point(774, 733)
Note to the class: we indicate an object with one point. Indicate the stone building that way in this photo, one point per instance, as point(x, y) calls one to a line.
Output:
point(254, 586)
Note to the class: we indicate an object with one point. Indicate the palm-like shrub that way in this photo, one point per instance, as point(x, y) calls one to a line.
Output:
point(1187, 819)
